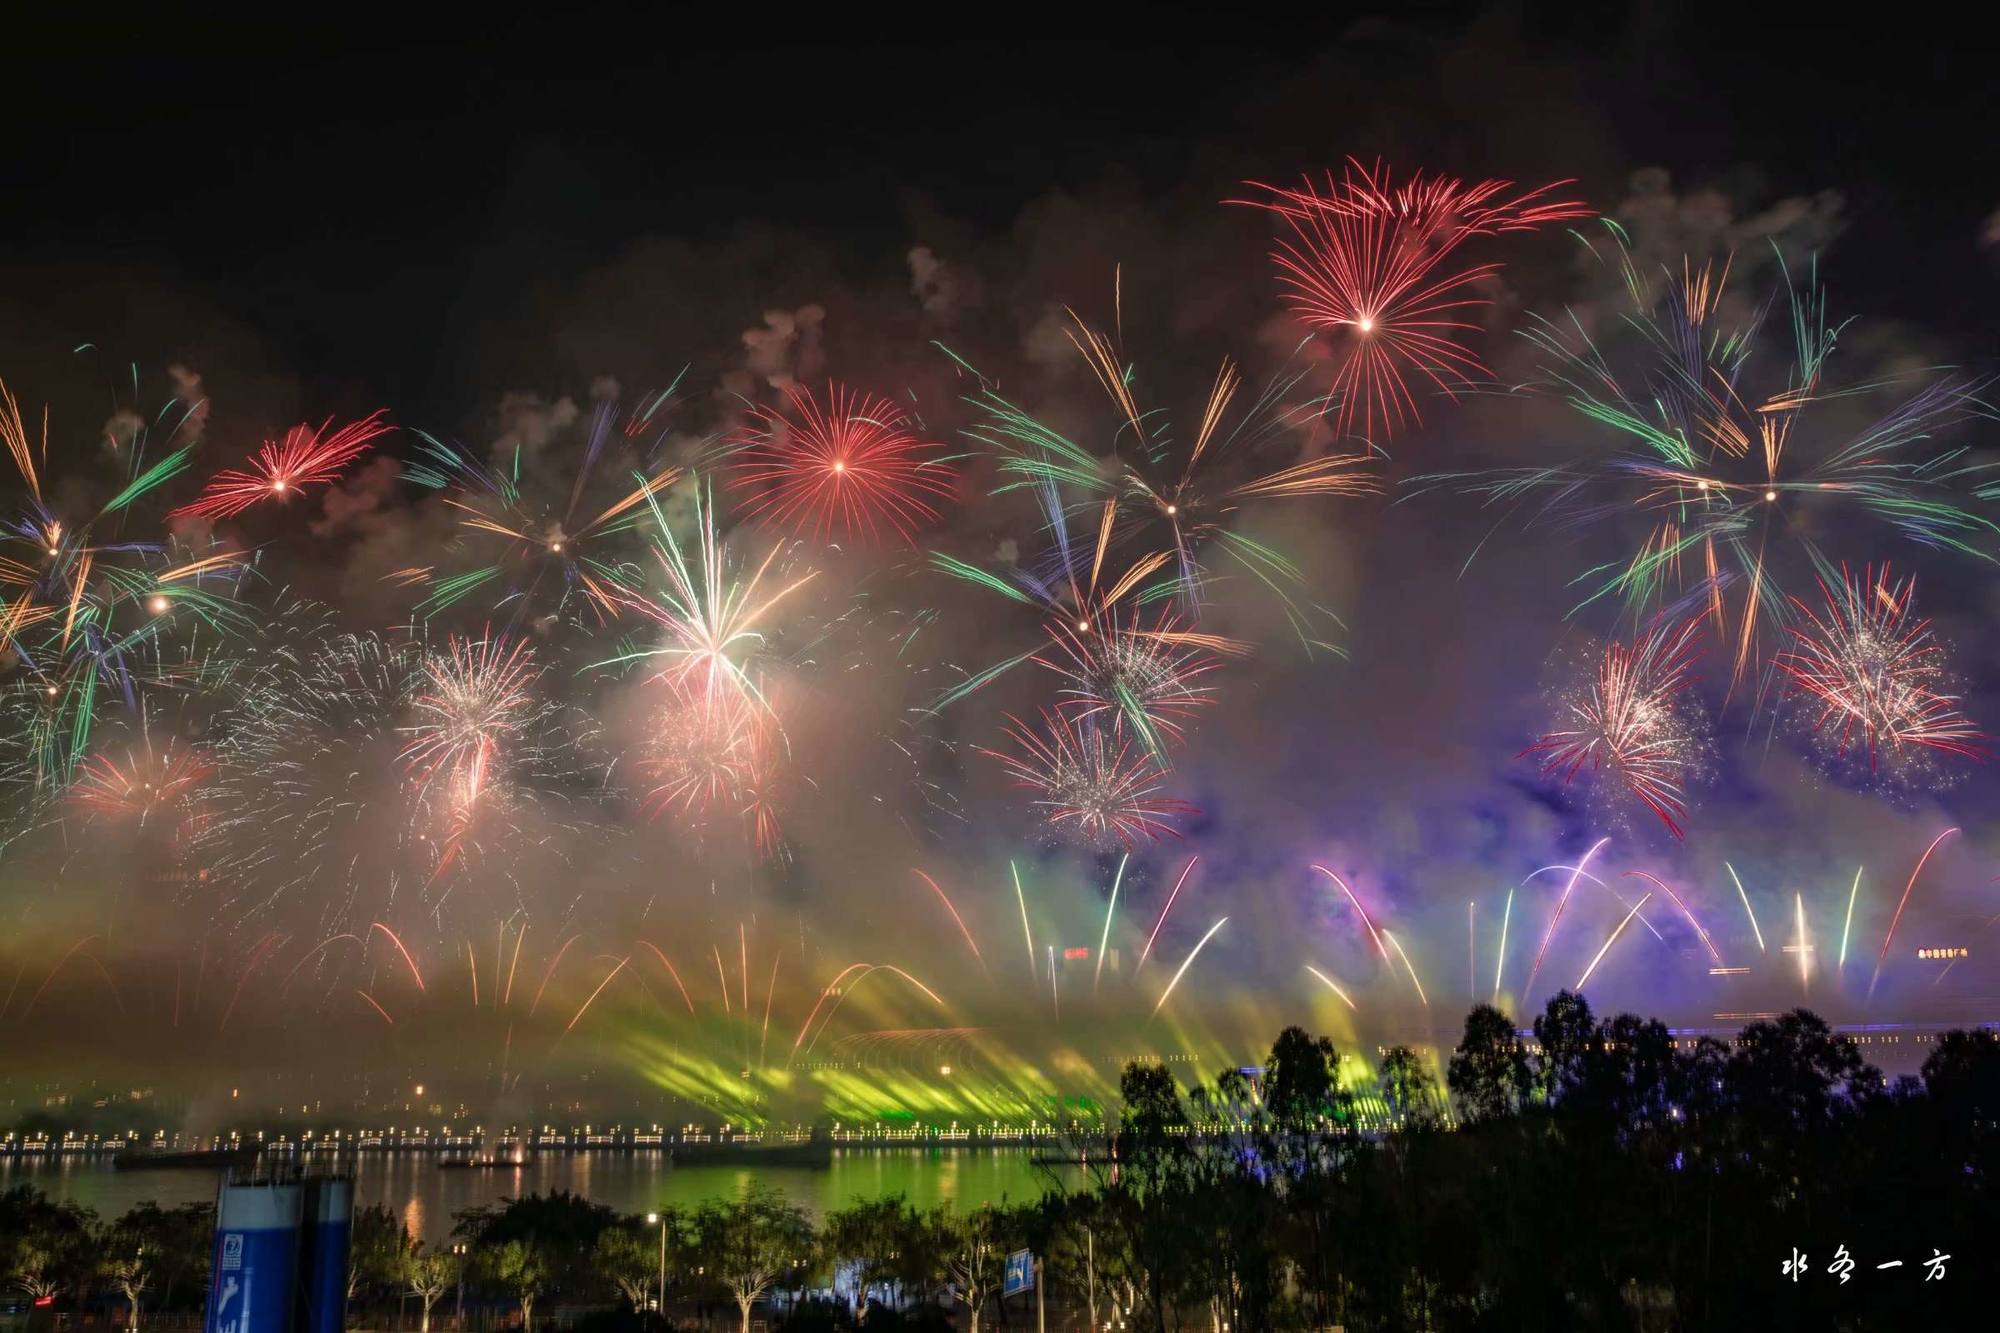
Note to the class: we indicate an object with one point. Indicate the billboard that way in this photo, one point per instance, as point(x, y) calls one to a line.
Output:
point(251, 1285)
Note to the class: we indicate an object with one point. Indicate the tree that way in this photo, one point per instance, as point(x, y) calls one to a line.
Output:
point(127, 1276)
point(975, 1255)
point(1488, 1074)
point(518, 1269)
point(430, 1274)
point(377, 1249)
point(1302, 1081)
point(748, 1243)
point(1408, 1088)
point(177, 1243)
point(630, 1257)
point(889, 1243)
point(1567, 1035)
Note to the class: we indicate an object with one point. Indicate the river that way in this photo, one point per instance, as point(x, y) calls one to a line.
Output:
point(413, 1186)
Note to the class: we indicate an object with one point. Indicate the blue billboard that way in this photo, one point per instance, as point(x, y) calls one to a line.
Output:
point(252, 1284)
point(1020, 1273)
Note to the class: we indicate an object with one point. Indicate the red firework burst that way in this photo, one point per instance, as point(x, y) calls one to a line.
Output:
point(1877, 672)
point(849, 466)
point(283, 468)
point(1631, 721)
point(1091, 780)
point(144, 781)
point(1377, 267)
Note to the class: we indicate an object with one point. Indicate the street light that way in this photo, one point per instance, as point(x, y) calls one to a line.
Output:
point(458, 1252)
point(660, 1221)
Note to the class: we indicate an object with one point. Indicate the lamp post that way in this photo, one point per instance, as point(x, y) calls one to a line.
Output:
point(458, 1253)
point(659, 1220)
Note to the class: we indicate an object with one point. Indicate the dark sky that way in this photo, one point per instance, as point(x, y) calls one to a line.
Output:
point(383, 200)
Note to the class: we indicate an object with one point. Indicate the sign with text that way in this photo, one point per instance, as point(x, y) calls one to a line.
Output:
point(1020, 1273)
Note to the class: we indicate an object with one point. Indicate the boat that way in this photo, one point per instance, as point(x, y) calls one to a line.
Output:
point(200, 1159)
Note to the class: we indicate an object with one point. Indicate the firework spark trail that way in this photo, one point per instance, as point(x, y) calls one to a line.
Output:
point(1562, 903)
point(1848, 924)
point(1500, 955)
point(60, 963)
point(1055, 992)
point(1619, 930)
point(1634, 721)
point(585, 1008)
point(550, 971)
point(280, 468)
point(871, 969)
point(806, 1027)
point(1110, 907)
point(957, 920)
point(1330, 984)
point(1397, 946)
point(672, 971)
point(1027, 935)
point(1667, 889)
point(770, 994)
point(1373, 934)
point(1890, 935)
point(844, 464)
point(263, 949)
point(1378, 264)
point(1755, 929)
point(1804, 948)
point(721, 977)
point(1193, 954)
point(1186, 870)
point(1876, 674)
point(397, 941)
point(372, 1004)
point(472, 967)
point(507, 999)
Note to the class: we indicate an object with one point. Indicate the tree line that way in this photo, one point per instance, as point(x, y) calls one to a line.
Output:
point(1596, 1174)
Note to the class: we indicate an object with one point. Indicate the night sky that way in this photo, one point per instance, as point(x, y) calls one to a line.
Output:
point(468, 225)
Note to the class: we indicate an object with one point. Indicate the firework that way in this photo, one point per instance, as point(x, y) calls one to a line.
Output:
point(1877, 677)
point(88, 615)
point(140, 783)
point(1634, 722)
point(1377, 267)
point(1727, 466)
point(1182, 500)
point(843, 465)
point(705, 756)
point(354, 771)
point(1145, 679)
point(1090, 782)
point(542, 544)
point(712, 628)
point(476, 696)
point(306, 456)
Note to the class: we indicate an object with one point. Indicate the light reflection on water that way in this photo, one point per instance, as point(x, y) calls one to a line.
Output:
point(413, 1187)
